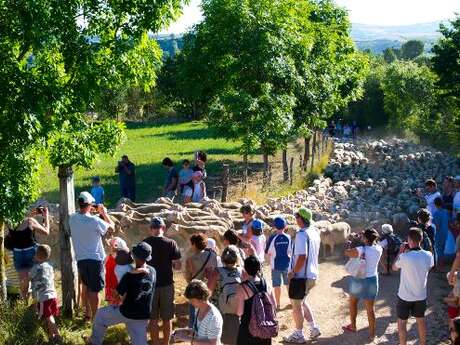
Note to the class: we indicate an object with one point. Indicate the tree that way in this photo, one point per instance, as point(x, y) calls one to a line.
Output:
point(57, 59)
point(409, 96)
point(412, 49)
point(389, 55)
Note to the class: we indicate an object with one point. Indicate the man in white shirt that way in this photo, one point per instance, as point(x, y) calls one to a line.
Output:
point(414, 263)
point(430, 195)
point(86, 231)
point(303, 272)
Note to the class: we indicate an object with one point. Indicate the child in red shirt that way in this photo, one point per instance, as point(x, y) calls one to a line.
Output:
point(111, 281)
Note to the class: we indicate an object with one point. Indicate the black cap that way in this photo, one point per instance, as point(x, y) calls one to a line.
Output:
point(157, 222)
point(142, 251)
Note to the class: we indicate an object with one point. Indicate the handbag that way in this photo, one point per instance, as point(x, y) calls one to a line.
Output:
point(356, 267)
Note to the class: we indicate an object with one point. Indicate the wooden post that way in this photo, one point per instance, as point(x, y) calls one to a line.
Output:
point(68, 264)
point(2, 261)
point(266, 169)
point(306, 152)
point(285, 167)
point(291, 170)
point(245, 172)
point(313, 152)
point(225, 179)
point(300, 162)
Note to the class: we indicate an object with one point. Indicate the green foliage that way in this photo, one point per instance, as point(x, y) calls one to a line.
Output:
point(409, 95)
point(389, 55)
point(412, 49)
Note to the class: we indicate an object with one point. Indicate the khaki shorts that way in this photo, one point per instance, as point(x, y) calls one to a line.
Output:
point(163, 303)
point(309, 284)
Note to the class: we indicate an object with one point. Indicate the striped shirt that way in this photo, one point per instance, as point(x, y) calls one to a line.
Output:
point(210, 327)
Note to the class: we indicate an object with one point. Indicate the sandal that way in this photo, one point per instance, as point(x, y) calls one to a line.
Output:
point(348, 328)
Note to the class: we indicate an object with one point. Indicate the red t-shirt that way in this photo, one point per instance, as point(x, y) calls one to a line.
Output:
point(111, 281)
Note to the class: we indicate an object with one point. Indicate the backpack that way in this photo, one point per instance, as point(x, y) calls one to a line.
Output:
point(229, 280)
point(263, 323)
point(394, 244)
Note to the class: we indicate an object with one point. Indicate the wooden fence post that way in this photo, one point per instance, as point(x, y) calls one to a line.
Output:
point(285, 167)
point(225, 180)
point(313, 153)
point(291, 170)
point(306, 152)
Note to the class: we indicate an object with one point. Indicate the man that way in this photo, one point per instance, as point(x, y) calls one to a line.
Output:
point(441, 222)
point(278, 249)
point(456, 202)
point(431, 194)
point(86, 231)
point(304, 270)
point(127, 175)
point(172, 179)
point(165, 257)
point(414, 263)
point(135, 290)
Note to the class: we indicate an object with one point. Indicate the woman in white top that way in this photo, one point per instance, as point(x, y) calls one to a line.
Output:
point(198, 191)
point(207, 329)
point(365, 288)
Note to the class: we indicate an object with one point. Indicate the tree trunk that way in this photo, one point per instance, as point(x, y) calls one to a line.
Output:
point(225, 179)
point(68, 264)
point(291, 170)
point(245, 172)
point(313, 151)
point(285, 167)
point(2, 261)
point(266, 168)
point(307, 153)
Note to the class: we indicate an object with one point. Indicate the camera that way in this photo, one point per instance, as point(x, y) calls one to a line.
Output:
point(40, 210)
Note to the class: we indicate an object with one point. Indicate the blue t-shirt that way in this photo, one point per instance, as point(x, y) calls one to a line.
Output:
point(441, 221)
point(278, 247)
point(98, 194)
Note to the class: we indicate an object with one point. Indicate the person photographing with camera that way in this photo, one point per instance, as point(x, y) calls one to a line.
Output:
point(22, 242)
point(87, 230)
point(414, 263)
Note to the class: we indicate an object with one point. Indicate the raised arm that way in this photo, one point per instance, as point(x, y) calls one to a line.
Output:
point(36, 226)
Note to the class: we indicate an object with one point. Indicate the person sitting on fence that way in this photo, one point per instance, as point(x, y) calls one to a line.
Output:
point(185, 177)
point(200, 163)
point(172, 179)
point(197, 192)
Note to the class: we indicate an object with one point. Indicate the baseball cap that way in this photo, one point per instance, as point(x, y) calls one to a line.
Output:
point(86, 198)
point(157, 222)
point(305, 214)
point(257, 224)
point(211, 244)
point(387, 229)
point(142, 251)
point(96, 179)
point(118, 243)
point(279, 223)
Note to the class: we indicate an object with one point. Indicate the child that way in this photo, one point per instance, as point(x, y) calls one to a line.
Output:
point(198, 192)
point(258, 240)
point(116, 245)
point(248, 216)
point(278, 248)
point(42, 279)
point(185, 176)
point(97, 191)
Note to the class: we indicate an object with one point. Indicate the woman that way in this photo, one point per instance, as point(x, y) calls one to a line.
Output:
point(455, 331)
point(245, 296)
point(448, 191)
point(224, 282)
point(24, 245)
point(231, 238)
point(365, 288)
point(199, 265)
point(197, 191)
point(207, 328)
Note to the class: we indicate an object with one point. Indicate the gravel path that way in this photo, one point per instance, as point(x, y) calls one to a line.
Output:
point(330, 305)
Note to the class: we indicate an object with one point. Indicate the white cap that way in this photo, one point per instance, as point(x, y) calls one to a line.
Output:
point(387, 229)
point(211, 244)
point(118, 243)
point(86, 198)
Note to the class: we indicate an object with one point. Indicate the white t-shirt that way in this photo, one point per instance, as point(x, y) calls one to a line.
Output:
point(414, 266)
point(372, 255)
point(211, 326)
point(259, 245)
point(429, 198)
point(86, 232)
point(456, 203)
point(311, 249)
point(383, 243)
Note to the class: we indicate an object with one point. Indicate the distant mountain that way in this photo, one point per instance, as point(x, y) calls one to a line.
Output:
point(378, 38)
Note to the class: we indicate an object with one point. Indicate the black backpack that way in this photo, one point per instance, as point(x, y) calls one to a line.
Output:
point(394, 244)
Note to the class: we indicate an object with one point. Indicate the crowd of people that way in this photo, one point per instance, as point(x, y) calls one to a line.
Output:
point(232, 298)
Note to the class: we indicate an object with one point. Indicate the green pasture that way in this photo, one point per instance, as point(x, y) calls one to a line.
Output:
point(146, 145)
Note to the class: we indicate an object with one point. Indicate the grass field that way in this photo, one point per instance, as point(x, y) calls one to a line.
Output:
point(146, 146)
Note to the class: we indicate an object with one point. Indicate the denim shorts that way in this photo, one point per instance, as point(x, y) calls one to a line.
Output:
point(366, 288)
point(279, 278)
point(24, 259)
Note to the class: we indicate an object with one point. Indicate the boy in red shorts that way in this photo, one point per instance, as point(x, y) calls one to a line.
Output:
point(42, 279)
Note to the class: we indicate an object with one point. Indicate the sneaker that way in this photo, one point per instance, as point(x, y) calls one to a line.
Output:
point(315, 333)
point(295, 338)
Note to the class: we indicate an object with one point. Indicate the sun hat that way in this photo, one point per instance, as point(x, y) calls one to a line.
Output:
point(279, 223)
point(142, 251)
point(305, 214)
point(387, 229)
point(86, 198)
point(118, 243)
point(157, 222)
point(211, 244)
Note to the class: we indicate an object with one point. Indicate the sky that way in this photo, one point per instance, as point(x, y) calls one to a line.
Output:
point(375, 12)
